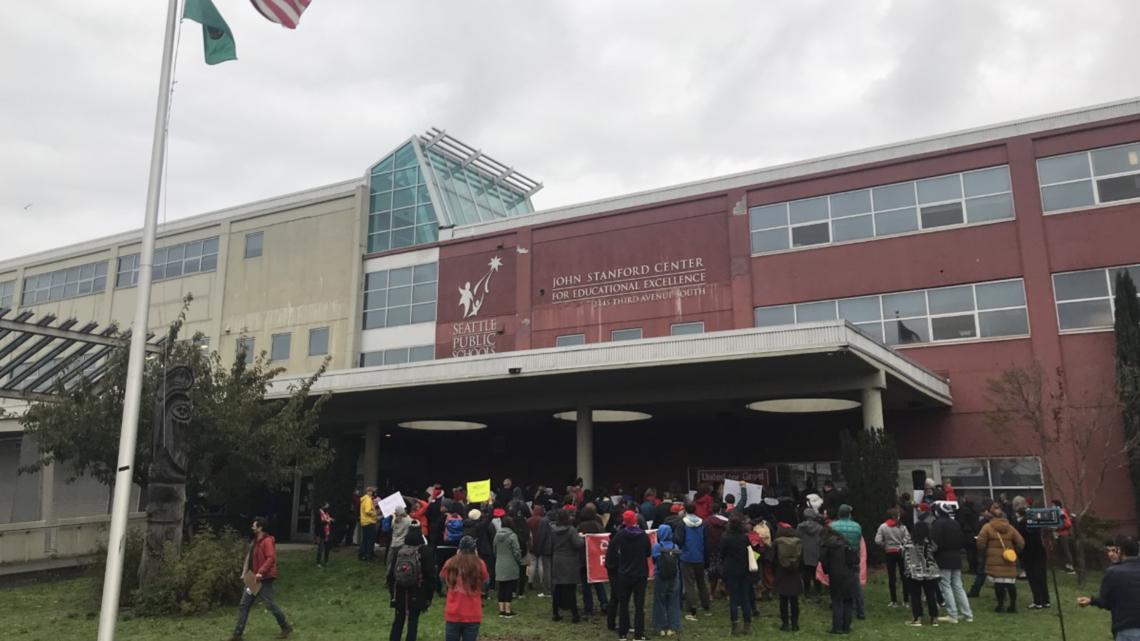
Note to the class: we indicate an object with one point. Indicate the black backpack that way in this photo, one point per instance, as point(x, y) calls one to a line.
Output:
point(668, 563)
point(407, 571)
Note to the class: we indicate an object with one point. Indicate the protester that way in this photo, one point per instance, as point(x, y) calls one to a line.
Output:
point(565, 544)
point(262, 561)
point(693, 563)
point(649, 505)
point(504, 495)
point(508, 557)
point(543, 551)
point(324, 534)
point(411, 582)
point(841, 564)
point(734, 551)
point(1001, 542)
point(787, 561)
point(401, 523)
point(1033, 557)
point(980, 519)
point(522, 533)
point(714, 530)
point(852, 532)
point(703, 501)
point(906, 512)
point(809, 530)
point(667, 571)
point(464, 574)
point(946, 535)
point(590, 523)
point(368, 525)
point(484, 531)
point(1066, 542)
point(353, 518)
point(891, 536)
point(1120, 593)
point(922, 574)
point(628, 555)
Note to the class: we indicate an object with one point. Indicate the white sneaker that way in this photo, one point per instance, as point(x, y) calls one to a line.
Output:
point(690, 617)
point(947, 619)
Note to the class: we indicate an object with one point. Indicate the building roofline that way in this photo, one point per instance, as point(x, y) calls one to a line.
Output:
point(802, 168)
point(253, 209)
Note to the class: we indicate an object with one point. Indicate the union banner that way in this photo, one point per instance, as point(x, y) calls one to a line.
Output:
point(596, 546)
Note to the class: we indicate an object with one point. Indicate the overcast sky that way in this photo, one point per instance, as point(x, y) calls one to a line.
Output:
point(592, 97)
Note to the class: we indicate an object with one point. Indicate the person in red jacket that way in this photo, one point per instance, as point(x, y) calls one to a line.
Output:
point(262, 561)
point(704, 501)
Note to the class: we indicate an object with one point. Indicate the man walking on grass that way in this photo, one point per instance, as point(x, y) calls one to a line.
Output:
point(1120, 593)
point(262, 562)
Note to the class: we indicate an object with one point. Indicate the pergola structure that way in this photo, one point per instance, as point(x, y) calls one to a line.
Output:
point(35, 354)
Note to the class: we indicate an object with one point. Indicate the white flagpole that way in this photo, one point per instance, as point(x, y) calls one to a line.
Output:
point(128, 431)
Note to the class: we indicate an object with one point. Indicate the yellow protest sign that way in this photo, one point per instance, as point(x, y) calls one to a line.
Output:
point(478, 491)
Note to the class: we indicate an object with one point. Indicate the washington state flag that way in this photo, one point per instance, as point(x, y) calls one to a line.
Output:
point(217, 39)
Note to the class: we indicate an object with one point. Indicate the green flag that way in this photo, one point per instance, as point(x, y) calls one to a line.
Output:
point(217, 38)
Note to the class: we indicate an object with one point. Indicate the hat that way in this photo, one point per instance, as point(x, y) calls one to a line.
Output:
point(945, 507)
point(629, 519)
point(677, 507)
point(498, 513)
point(474, 515)
point(467, 544)
point(810, 514)
point(772, 501)
point(844, 511)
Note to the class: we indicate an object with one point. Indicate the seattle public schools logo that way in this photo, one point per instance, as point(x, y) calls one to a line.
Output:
point(471, 300)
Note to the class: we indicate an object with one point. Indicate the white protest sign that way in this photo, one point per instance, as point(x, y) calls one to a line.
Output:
point(388, 504)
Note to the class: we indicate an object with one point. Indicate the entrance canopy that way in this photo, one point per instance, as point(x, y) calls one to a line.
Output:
point(828, 359)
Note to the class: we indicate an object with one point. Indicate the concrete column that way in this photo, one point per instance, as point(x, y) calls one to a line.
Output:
point(372, 454)
point(586, 446)
point(873, 409)
point(47, 505)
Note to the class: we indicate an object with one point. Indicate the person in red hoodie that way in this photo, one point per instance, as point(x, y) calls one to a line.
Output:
point(262, 561)
point(464, 574)
point(704, 501)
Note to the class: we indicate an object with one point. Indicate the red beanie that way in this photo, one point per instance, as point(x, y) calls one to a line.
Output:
point(629, 518)
point(677, 507)
point(499, 513)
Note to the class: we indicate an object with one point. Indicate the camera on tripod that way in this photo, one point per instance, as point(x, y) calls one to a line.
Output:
point(1043, 518)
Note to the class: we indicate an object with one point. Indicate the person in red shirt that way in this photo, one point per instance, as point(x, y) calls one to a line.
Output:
point(464, 574)
point(324, 534)
point(262, 561)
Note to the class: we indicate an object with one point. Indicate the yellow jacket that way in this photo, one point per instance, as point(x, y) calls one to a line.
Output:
point(367, 511)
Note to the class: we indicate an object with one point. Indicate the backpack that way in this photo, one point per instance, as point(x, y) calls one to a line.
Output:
point(386, 525)
point(669, 563)
point(789, 551)
point(453, 529)
point(407, 571)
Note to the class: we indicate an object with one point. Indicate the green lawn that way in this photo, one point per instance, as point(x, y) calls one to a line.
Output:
point(347, 601)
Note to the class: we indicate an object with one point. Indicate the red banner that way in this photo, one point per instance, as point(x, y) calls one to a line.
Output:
point(596, 546)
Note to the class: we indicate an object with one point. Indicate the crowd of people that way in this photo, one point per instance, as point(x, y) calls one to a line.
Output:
point(786, 547)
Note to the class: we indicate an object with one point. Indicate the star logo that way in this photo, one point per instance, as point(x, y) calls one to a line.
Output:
point(471, 298)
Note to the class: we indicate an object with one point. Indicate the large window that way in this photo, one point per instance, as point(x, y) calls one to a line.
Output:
point(398, 355)
point(680, 329)
point(979, 478)
point(631, 334)
point(318, 341)
point(982, 310)
point(280, 345)
point(7, 294)
point(1085, 299)
point(401, 296)
point(471, 196)
point(245, 349)
point(174, 261)
point(400, 211)
point(955, 199)
point(65, 283)
point(1088, 178)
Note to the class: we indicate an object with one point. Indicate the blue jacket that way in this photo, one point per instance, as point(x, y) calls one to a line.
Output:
point(664, 541)
point(647, 510)
point(693, 550)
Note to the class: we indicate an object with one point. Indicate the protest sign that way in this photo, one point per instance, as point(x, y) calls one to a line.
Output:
point(388, 504)
point(596, 547)
point(745, 493)
point(479, 491)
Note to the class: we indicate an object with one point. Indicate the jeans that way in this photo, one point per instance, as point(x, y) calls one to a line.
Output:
point(917, 589)
point(696, 586)
point(587, 588)
point(860, 610)
point(323, 551)
point(894, 560)
point(266, 597)
point(667, 604)
point(842, 608)
point(413, 619)
point(739, 596)
point(957, 605)
point(631, 589)
point(368, 542)
point(1130, 634)
point(460, 631)
point(545, 571)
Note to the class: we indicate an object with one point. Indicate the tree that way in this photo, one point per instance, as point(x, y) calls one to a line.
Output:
point(1074, 440)
point(1126, 325)
point(239, 441)
point(870, 464)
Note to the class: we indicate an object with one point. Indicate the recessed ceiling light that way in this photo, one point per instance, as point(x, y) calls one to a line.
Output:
point(804, 405)
point(443, 426)
point(606, 416)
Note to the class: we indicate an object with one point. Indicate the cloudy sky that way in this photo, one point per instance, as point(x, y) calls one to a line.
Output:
point(593, 97)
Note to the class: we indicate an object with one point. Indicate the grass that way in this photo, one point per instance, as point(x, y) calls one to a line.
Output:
point(347, 600)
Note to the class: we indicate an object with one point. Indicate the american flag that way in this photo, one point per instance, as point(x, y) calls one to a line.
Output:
point(286, 13)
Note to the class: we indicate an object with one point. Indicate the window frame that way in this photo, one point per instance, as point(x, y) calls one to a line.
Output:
point(1110, 297)
point(7, 292)
point(1093, 178)
point(410, 305)
point(131, 273)
point(61, 280)
point(250, 352)
point(273, 339)
point(392, 351)
point(328, 340)
point(247, 253)
point(582, 340)
point(673, 328)
point(639, 330)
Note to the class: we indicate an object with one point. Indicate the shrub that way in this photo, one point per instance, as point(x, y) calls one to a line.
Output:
point(871, 468)
point(132, 556)
point(205, 575)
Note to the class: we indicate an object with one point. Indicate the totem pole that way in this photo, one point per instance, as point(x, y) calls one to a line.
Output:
point(166, 478)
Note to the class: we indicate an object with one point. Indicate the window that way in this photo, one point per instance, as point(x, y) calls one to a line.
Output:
point(980, 477)
point(245, 349)
point(680, 329)
point(183, 259)
point(400, 211)
point(7, 293)
point(955, 199)
point(570, 339)
point(1088, 178)
point(982, 310)
point(630, 334)
point(398, 356)
point(279, 347)
point(1085, 298)
point(402, 296)
point(318, 341)
point(253, 243)
point(471, 196)
point(65, 283)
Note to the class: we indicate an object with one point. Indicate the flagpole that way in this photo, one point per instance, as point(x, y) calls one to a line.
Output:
point(128, 431)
